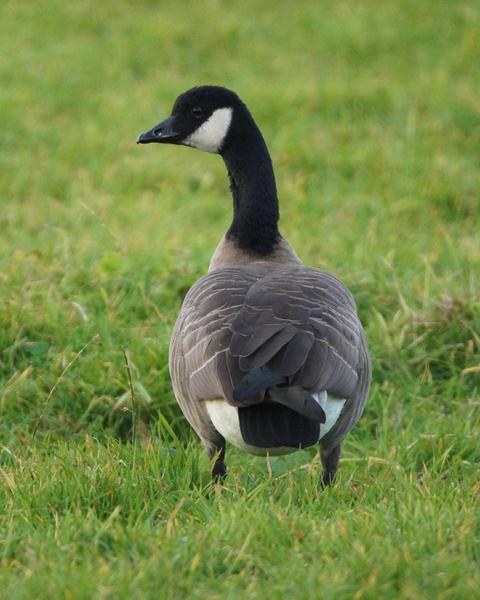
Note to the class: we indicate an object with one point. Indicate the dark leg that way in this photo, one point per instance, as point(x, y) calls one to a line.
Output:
point(219, 469)
point(330, 458)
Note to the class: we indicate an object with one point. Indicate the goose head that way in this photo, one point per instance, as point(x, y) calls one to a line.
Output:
point(214, 119)
point(203, 117)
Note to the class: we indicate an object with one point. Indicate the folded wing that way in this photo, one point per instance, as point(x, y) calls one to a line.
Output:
point(301, 323)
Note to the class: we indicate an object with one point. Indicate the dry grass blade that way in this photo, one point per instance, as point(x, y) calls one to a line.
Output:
point(55, 385)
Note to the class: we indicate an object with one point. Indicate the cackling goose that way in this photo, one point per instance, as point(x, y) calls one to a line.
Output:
point(267, 354)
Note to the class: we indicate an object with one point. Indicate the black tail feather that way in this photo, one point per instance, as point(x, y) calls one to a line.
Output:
point(299, 400)
point(261, 378)
point(269, 425)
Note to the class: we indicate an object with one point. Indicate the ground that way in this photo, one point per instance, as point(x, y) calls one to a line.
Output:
point(371, 112)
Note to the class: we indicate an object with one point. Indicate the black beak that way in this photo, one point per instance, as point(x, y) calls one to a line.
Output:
point(163, 133)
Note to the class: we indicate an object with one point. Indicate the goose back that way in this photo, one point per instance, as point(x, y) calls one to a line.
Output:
point(301, 322)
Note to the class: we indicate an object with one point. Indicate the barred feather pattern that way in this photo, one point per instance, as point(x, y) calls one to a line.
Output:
point(300, 322)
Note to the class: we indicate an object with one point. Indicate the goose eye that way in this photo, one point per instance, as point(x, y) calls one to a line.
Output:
point(197, 112)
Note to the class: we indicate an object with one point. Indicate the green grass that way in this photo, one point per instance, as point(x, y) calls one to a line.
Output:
point(371, 112)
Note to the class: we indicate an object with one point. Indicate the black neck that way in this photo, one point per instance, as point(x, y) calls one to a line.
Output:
point(252, 184)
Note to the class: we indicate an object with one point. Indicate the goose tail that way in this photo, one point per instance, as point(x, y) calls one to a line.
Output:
point(275, 388)
point(256, 380)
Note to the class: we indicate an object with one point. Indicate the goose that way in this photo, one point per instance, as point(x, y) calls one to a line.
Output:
point(267, 354)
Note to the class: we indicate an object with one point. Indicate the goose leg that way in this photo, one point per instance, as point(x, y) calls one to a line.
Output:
point(330, 458)
point(219, 469)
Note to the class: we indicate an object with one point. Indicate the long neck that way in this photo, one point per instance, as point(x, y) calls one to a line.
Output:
point(252, 183)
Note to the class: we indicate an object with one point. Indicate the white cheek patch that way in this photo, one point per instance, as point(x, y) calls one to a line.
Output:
point(210, 135)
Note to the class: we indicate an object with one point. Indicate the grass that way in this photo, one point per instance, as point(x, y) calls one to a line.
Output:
point(372, 116)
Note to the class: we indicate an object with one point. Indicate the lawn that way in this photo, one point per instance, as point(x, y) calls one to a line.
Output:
point(371, 112)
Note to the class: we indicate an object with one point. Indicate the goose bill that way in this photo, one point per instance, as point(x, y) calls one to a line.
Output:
point(163, 133)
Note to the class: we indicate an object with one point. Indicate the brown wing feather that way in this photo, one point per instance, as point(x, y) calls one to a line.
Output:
point(301, 322)
point(317, 331)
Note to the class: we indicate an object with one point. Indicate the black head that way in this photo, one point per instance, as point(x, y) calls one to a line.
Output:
point(201, 117)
